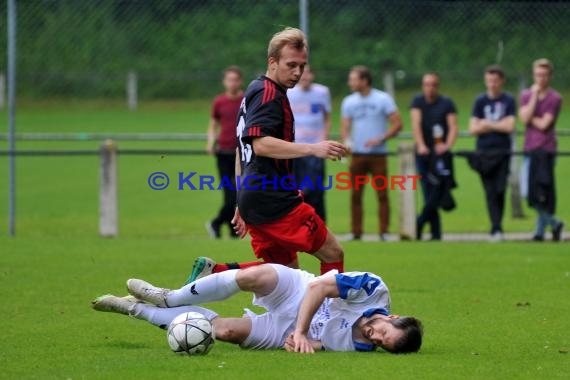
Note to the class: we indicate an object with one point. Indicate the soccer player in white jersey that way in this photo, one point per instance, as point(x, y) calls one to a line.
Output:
point(335, 312)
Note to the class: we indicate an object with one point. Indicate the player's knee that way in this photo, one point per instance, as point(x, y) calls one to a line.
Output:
point(225, 333)
point(254, 278)
point(337, 253)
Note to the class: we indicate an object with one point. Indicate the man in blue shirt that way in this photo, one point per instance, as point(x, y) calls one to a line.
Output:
point(366, 115)
point(493, 121)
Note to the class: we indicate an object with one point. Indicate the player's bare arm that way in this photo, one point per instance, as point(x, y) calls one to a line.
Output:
point(289, 344)
point(280, 149)
point(316, 293)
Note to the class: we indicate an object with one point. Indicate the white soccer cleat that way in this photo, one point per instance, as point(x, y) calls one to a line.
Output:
point(147, 292)
point(114, 304)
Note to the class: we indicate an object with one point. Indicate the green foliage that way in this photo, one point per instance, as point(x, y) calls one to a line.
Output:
point(85, 48)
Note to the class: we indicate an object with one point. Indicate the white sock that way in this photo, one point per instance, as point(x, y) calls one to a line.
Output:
point(162, 317)
point(215, 287)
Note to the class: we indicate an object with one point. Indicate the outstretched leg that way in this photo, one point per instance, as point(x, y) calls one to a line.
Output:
point(260, 280)
point(231, 330)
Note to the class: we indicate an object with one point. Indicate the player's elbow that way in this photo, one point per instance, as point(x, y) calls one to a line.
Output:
point(260, 147)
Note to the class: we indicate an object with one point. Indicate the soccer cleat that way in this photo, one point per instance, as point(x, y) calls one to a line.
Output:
point(557, 231)
point(147, 292)
point(203, 266)
point(114, 304)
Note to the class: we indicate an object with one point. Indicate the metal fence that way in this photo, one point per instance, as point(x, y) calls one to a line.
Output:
point(177, 48)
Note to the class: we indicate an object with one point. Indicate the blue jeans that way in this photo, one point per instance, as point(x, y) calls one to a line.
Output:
point(544, 218)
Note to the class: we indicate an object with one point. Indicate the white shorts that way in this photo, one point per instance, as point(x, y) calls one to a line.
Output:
point(269, 330)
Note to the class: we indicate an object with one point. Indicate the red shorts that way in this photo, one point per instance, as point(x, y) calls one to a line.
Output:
point(302, 230)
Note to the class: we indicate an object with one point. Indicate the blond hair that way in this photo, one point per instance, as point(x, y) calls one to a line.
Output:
point(288, 36)
point(544, 63)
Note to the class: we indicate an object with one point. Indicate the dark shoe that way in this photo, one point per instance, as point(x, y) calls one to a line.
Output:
point(557, 232)
point(537, 238)
point(354, 237)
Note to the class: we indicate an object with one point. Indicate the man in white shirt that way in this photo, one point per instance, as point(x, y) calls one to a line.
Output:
point(336, 312)
point(311, 105)
point(366, 114)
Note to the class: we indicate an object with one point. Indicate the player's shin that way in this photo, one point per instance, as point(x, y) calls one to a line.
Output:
point(215, 287)
point(162, 317)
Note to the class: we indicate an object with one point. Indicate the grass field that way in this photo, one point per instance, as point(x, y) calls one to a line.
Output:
point(490, 311)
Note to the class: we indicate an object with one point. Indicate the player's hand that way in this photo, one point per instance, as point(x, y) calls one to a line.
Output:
point(289, 344)
point(534, 88)
point(330, 149)
point(422, 150)
point(441, 148)
point(374, 142)
point(239, 224)
point(302, 343)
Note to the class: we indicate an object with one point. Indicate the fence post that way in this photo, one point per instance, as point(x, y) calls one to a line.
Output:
point(108, 211)
point(132, 90)
point(514, 177)
point(2, 91)
point(407, 163)
point(389, 83)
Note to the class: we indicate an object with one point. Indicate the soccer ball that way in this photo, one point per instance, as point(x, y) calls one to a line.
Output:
point(190, 334)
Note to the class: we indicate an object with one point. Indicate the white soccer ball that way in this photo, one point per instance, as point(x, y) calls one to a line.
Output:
point(191, 334)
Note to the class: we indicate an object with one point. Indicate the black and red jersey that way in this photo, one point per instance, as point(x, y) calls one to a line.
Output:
point(267, 189)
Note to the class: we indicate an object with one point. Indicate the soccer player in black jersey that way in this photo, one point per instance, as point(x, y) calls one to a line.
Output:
point(270, 207)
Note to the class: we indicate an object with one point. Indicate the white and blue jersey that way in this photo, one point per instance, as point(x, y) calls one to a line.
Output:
point(361, 294)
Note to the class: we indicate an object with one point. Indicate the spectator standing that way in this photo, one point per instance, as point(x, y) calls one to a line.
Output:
point(366, 114)
point(311, 105)
point(540, 106)
point(492, 121)
point(434, 126)
point(222, 143)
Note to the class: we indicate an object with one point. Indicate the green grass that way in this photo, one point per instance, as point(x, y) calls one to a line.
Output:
point(466, 295)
